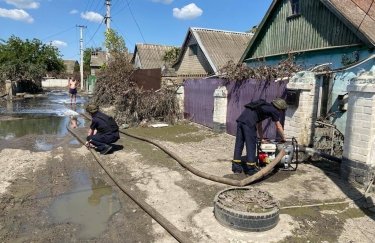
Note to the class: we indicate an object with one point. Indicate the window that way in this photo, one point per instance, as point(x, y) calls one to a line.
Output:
point(295, 6)
point(193, 50)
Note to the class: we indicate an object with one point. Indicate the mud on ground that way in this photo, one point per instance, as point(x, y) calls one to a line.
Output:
point(32, 180)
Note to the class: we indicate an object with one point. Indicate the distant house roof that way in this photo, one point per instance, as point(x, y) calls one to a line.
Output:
point(69, 65)
point(149, 55)
point(218, 46)
point(359, 14)
point(98, 59)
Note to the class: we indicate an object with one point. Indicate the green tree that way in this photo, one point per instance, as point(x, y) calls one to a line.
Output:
point(114, 42)
point(28, 60)
point(171, 55)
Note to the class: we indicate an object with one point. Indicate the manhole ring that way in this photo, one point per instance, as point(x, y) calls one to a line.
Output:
point(246, 209)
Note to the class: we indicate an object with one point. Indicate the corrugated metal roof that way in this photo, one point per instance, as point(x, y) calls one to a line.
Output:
point(359, 13)
point(150, 55)
point(220, 46)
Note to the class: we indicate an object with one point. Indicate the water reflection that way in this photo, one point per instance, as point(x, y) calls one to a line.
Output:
point(90, 204)
point(38, 125)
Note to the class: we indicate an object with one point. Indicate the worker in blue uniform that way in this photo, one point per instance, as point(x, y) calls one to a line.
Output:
point(103, 130)
point(249, 123)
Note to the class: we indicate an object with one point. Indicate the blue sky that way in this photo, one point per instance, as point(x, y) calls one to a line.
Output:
point(163, 22)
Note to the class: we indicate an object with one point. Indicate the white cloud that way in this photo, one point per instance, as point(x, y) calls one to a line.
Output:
point(16, 14)
point(163, 1)
point(190, 11)
point(92, 16)
point(73, 11)
point(58, 43)
point(24, 4)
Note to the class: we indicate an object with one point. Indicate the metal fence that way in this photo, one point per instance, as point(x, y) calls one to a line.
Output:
point(199, 100)
point(241, 93)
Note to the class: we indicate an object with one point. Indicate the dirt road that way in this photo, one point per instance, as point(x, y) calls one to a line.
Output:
point(62, 195)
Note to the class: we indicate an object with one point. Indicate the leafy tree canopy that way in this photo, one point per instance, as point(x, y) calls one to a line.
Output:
point(114, 42)
point(171, 55)
point(28, 60)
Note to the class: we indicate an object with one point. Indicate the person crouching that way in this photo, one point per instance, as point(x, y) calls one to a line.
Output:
point(103, 130)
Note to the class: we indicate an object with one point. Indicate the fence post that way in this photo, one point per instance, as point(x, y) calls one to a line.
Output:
point(220, 109)
point(180, 94)
point(359, 145)
point(10, 89)
point(299, 121)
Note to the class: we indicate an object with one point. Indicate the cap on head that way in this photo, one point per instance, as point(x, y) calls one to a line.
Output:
point(92, 108)
point(279, 104)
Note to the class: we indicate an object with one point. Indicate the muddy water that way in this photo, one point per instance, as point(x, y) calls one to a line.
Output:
point(89, 204)
point(40, 124)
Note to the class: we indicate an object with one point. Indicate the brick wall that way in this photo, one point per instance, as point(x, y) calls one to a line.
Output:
point(358, 158)
point(299, 121)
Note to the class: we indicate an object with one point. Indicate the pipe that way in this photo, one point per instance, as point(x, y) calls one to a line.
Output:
point(313, 151)
point(168, 226)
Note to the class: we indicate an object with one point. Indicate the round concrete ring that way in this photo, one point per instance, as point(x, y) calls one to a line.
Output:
point(244, 221)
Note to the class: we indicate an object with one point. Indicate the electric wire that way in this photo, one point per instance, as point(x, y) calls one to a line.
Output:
point(139, 28)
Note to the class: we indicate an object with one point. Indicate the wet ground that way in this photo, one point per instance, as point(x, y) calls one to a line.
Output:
point(52, 189)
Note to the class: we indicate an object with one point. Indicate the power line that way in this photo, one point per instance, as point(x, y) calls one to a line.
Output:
point(48, 37)
point(139, 29)
point(95, 32)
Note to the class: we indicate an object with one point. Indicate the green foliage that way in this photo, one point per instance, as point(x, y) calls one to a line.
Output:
point(171, 55)
point(114, 42)
point(28, 60)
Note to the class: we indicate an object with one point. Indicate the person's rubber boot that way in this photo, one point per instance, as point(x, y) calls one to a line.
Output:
point(251, 167)
point(106, 149)
point(236, 166)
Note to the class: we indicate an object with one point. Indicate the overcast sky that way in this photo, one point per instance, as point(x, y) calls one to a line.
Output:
point(163, 22)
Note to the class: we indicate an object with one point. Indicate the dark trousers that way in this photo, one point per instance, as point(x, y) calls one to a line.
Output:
point(245, 135)
point(102, 140)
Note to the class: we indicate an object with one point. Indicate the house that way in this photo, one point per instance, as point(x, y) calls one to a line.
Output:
point(98, 59)
point(334, 41)
point(69, 65)
point(336, 34)
point(205, 51)
point(149, 56)
point(152, 71)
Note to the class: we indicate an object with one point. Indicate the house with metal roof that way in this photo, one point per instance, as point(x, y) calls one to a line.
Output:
point(98, 59)
point(149, 56)
point(205, 51)
point(338, 35)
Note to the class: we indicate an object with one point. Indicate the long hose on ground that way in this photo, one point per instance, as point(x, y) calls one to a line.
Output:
point(240, 183)
point(168, 226)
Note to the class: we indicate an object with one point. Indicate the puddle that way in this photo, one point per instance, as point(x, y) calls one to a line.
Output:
point(90, 205)
point(40, 116)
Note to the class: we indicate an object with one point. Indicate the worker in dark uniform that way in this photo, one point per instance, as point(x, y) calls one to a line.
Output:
point(103, 130)
point(248, 124)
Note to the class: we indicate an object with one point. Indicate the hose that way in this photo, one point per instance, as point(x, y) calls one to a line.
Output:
point(317, 152)
point(240, 183)
point(170, 228)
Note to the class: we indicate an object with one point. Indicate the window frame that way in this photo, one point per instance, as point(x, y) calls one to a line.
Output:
point(295, 8)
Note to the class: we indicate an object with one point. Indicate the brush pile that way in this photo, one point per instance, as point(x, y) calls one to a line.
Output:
point(115, 87)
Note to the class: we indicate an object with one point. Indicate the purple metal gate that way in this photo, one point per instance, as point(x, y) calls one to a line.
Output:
point(199, 100)
point(241, 93)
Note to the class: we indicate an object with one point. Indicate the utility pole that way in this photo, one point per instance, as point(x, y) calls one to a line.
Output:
point(107, 20)
point(81, 53)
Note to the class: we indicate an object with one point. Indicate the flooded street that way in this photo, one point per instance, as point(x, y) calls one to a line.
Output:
point(51, 188)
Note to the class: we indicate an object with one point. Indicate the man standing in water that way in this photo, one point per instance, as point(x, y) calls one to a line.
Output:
point(72, 84)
